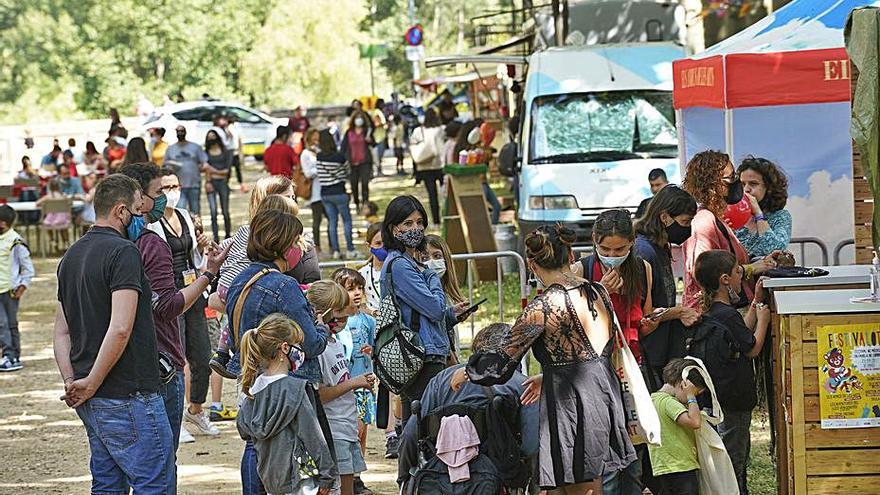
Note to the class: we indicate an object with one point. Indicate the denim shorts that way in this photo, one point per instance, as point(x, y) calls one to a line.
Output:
point(349, 459)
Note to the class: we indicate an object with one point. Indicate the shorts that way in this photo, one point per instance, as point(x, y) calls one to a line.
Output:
point(349, 459)
point(366, 406)
point(214, 326)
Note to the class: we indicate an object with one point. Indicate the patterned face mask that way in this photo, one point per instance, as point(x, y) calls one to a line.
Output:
point(296, 356)
point(411, 238)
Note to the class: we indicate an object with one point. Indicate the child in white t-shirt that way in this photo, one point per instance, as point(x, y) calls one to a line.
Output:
point(337, 388)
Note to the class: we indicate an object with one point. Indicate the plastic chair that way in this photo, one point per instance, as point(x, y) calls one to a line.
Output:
point(61, 205)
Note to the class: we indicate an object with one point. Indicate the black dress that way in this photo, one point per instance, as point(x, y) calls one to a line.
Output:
point(583, 427)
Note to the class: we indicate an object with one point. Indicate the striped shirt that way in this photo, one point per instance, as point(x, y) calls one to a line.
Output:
point(332, 169)
point(237, 259)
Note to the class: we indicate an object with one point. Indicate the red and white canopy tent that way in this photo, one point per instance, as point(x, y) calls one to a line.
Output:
point(780, 89)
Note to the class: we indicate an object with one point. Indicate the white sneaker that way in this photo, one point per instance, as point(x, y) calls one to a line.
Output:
point(185, 436)
point(352, 255)
point(201, 422)
point(337, 255)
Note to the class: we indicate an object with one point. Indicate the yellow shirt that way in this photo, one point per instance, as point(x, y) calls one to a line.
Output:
point(158, 153)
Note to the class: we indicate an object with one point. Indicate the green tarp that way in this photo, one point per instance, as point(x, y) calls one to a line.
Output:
point(862, 34)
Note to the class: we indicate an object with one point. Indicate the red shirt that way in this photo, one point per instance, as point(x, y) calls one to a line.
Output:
point(629, 316)
point(279, 159)
point(357, 143)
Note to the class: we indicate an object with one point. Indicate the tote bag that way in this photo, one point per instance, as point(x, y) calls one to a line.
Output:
point(640, 409)
point(423, 146)
point(716, 470)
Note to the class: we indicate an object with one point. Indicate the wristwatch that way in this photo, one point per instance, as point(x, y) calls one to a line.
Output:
point(760, 218)
point(210, 276)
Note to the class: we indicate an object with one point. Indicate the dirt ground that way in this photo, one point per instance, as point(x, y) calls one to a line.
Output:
point(44, 445)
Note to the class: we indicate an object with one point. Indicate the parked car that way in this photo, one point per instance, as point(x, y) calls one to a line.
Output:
point(257, 128)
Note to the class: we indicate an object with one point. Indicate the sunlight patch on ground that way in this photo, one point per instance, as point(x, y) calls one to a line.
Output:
point(189, 474)
point(21, 417)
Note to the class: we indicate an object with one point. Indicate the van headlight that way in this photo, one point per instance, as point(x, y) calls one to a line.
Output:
point(566, 202)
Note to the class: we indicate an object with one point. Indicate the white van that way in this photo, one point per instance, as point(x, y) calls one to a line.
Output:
point(595, 121)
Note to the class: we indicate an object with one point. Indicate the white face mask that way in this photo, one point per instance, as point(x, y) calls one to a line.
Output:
point(173, 198)
point(438, 266)
point(359, 122)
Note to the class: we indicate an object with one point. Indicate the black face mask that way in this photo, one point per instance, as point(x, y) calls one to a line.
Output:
point(181, 136)
point(676, 233)
point(734, 192)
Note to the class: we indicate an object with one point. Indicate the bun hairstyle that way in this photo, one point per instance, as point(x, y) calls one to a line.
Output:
point(259, 345)
point(710, 266)
point(549, 246)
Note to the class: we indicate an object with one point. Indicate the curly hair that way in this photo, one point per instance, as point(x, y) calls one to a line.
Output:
point(549, 246)
point(774, 180)
point(703, 180)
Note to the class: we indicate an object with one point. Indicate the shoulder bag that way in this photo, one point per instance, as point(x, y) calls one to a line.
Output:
point(235, 317)
point(399, 354)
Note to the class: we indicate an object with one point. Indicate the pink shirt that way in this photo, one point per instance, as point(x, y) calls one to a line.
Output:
point(706, 236)
point(358, 145)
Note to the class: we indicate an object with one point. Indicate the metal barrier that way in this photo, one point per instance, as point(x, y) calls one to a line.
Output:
point(803, 241)
point(525, 289)
point(839, 248)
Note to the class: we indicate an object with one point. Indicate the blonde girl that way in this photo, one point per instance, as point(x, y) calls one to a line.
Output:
point(276, 414)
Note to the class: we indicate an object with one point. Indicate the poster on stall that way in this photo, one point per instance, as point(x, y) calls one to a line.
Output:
point(849, 375)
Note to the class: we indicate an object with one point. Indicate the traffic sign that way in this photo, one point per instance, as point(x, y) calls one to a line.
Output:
point(415, 35)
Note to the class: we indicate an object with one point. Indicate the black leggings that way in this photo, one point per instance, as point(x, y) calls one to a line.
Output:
point(236, 165)
point(197, 345)
point(418, 386)
point(360, 184)
point(433, 179)
point(317, 217)
point(686, 483)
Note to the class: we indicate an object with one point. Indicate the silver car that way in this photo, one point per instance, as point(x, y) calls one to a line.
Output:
point(257, 129)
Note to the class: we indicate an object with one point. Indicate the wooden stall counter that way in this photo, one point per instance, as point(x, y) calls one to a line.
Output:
point(828, 385)
point(839, 277)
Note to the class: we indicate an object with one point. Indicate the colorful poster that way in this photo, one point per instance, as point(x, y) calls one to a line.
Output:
point(849, 375)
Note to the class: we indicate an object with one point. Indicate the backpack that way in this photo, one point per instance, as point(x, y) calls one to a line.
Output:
point(503, 447)
point(507, 159)
point(303, 184)
point(433, 479)
point(710, 341)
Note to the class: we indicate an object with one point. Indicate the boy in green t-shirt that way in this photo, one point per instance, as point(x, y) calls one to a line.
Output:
point(675, 463)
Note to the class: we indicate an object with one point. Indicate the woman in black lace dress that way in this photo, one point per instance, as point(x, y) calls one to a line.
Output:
point(583, 429)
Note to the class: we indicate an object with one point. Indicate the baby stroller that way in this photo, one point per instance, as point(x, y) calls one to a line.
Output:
point(497, 469)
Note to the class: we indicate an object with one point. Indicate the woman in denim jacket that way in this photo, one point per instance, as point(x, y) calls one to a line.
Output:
point(418, 290)
point(273, 235)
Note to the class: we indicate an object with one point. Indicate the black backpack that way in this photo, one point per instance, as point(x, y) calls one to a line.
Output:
point(710, 340)
point(433, 479)
point(504, 440)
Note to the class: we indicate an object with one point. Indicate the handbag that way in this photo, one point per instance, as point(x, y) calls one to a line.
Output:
point(399, 354)
point(716, 469)
point(639, 407)
point(422, 147)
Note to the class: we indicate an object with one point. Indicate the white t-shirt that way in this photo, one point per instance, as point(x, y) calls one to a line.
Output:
point(341, 411)
point(309, 161)
point(372, 287)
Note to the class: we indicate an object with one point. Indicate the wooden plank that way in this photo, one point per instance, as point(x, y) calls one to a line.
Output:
point(858, 171)
point(809, 357)
point(812, 414)
point(863, 211)
point(816, 437)
point(798, 448)
point(861, 189)
point(864, 256)
point(811, 381)
point(835, 485)
point(863, 236)
point(859, 461)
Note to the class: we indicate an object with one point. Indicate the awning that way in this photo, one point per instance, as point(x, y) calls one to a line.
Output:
point(442, 60)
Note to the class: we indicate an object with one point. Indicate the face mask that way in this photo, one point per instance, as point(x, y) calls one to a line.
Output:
point(296, 356)
point(334, 326)
point(439, 266)
point(612, 261)
point(154, 139)
point(474, 136)
point(172, 198)
point(379, 253)
point(676, 233)
point(734, 192)
point(411, 238)
point(359, 122)
point(292, 256)
point(135, 227)
point(159, 203)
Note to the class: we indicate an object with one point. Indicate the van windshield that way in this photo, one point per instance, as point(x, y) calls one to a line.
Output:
point(606, 126)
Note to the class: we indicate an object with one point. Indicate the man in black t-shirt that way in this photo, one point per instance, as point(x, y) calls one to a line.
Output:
point(657, 180)
point(105, 347)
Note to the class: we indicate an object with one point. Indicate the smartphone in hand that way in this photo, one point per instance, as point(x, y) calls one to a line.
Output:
point(470, 310)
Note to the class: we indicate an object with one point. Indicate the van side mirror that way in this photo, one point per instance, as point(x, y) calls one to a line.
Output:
point(508, 159)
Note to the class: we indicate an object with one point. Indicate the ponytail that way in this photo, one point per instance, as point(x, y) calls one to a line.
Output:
point(259, 346)
point(250, 361)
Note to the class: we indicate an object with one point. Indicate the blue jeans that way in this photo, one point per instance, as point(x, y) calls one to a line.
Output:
point(130, 443)
point(250, 478)
point(10, 340)
point(380, 152)
point(493, 201)
point(736, 435)
point(627, 481)
point(172, 395)
point(189, 199)
point(221, 190)
point(334, 205)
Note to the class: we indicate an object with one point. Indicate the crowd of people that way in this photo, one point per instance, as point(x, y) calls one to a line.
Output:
point(154, 311)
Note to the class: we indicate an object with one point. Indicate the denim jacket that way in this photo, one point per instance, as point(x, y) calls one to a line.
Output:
point(422, 292)
point(279, 293)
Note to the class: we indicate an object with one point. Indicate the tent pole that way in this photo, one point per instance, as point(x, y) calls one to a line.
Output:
point(682, 149)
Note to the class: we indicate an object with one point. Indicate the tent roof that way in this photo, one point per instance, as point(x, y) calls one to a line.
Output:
point(800, 25)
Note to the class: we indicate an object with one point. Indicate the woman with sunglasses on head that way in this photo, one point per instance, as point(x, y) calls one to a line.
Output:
point(769, 228)
point(712, 180)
